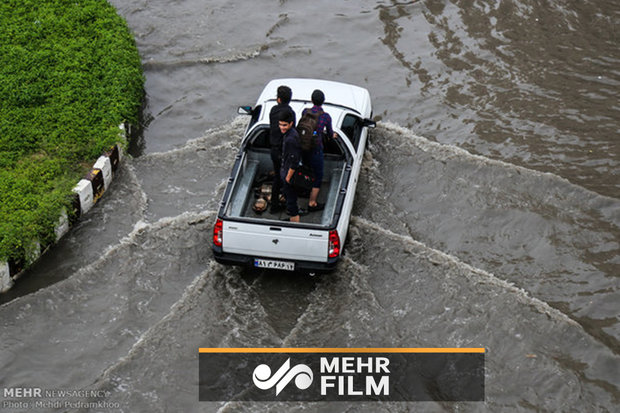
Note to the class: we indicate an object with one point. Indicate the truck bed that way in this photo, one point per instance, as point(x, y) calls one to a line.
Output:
point(256, 168)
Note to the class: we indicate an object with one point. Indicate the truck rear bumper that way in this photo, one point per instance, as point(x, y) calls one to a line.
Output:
point(248, 261)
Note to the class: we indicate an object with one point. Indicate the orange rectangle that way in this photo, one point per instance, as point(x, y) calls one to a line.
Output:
point(342, 350)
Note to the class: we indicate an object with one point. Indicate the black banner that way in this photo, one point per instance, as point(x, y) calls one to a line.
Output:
point(341, 375)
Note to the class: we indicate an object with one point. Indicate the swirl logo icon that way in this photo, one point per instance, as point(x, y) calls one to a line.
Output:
point(264, 380)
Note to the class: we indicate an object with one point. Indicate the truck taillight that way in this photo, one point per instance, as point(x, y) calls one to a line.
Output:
point(333, 249)
point(218, 229)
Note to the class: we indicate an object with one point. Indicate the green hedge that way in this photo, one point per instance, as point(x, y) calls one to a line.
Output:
point(70, 74)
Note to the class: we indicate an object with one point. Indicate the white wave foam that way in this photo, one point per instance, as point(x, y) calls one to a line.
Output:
point(240, 294)
point(227, 136)
point(445, 152)
point(134, 179)
point(130, 239)
point(251, 52)
point(183, 304)
point(474, 274)
point(357, 276)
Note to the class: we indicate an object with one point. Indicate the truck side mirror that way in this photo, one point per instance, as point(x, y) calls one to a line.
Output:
point(369, 123)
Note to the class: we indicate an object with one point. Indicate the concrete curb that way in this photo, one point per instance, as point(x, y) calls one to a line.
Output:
point(86, 194)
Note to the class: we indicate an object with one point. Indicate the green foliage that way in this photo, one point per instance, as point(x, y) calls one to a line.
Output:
point(70, 73)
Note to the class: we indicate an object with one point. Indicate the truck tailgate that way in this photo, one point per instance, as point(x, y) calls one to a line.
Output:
point(263, 240)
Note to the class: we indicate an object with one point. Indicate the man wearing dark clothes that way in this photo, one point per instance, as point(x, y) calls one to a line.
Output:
point(284, 96)
point(291, 156)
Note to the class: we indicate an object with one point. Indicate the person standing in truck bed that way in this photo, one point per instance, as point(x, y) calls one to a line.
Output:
point(291, 156)
point(315, 158)
point(284, 96)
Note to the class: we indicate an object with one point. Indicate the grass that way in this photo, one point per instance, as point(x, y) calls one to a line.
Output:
point(70, 73)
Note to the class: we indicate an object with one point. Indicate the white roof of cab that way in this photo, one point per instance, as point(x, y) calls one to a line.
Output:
point(353, 97)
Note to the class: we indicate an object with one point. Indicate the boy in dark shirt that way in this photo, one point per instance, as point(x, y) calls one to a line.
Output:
point(284, 96)
point(291, 155)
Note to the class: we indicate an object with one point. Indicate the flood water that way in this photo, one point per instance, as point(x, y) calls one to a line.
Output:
point(487, 213)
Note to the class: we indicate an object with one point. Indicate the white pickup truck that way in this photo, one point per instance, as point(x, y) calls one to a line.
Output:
point(241, 236)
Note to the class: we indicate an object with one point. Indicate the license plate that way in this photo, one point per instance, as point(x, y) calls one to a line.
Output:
point(274, 265)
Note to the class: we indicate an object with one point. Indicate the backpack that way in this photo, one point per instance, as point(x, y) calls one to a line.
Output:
point(306, 128)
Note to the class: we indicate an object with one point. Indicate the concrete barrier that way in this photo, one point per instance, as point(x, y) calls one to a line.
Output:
point(6, 282)
point(87, 192)
point(62, 227)
point(105, 166)
point(84, 190)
